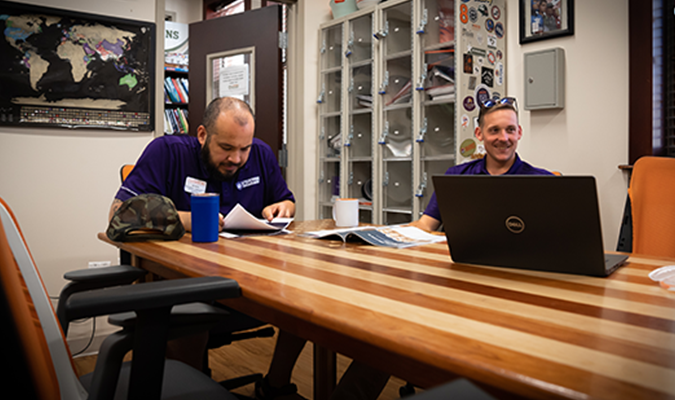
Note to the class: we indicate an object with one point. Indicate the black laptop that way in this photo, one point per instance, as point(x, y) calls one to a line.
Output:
point(546, 223)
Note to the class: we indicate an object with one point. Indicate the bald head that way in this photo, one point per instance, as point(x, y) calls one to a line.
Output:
point(238, 110)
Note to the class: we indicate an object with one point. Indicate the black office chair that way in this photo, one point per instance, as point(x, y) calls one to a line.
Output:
point(458, 389)
point(40, 357)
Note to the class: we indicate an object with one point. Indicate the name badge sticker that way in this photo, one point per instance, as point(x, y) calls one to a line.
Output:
point(194, 186)
point(248, 182)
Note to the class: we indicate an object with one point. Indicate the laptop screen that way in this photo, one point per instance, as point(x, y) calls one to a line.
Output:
point(548, 223)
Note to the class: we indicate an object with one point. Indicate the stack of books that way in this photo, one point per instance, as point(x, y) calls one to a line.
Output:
point(175, 121)
point(176, 90)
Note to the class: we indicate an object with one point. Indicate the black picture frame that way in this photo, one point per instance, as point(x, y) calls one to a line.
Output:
point(537, 24)
point(68, 69)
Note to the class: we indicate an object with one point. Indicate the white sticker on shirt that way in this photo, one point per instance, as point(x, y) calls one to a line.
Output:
point(195, 186)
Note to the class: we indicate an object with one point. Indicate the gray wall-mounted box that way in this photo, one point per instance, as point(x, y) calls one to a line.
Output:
point(545, 79)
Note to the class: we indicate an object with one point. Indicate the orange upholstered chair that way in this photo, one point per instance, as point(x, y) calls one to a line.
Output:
point(652, 196)
point(39, 351)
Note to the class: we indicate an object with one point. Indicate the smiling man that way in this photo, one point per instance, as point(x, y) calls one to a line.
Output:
point(224, 158)
point(499, 130)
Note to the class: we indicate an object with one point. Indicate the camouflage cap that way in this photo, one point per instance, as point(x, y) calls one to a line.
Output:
point(146, 217)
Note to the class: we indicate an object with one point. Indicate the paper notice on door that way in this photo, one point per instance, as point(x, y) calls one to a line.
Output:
point(234, 81)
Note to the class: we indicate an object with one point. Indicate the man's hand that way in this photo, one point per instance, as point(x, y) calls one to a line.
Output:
point(282, 209)
point(186, 220)
point(426, 223)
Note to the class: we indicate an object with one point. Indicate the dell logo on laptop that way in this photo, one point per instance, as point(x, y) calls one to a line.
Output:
point(515, 224)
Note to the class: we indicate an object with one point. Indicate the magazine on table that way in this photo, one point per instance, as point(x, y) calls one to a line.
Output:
point(397, 236)
point(239, 222)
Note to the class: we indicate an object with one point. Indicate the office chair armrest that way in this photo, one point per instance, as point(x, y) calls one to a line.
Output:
point(185, 319)
point(148, 296)
point(88, 279)
point(117, 273)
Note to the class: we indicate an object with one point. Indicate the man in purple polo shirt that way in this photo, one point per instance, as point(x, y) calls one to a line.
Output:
point(499, 130)
point(224, 158)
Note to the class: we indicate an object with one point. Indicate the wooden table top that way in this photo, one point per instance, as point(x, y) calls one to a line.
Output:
point(414, 313)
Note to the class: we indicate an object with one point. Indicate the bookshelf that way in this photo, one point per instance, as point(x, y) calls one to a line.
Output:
point(396, 105)
point(176, 99)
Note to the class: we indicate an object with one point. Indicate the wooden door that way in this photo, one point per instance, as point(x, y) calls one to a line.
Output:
point(256, 31)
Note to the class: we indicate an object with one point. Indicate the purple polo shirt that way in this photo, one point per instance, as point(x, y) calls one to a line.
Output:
point(477, 167)
point(168, 161)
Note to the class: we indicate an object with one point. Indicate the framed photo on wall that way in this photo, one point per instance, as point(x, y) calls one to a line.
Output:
point(67, 69)
point(545, 19)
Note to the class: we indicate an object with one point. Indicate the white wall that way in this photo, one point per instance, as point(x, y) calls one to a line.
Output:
point(589, 136)
point(187, 11)
point(60, 183)
point(305, 20)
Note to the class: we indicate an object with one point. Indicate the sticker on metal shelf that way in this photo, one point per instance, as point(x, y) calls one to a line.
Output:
point(496, 12)
point(472, 83)
point(487, 76)
point(473, 14)
point(468, 63)
point(465, 121)
point(492, 41)
point(467, 33)
point(491, 57)
point(482, 94)
point(464, 13)
point(479, 38)
point(499, 30)
point(489, 25)
point(499, 54)
point(482, 9)
point(469, 103)
point(467, 148)
point(478, 52)
point(499, 74)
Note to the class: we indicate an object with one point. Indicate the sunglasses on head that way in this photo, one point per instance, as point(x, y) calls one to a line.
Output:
point(488, 104)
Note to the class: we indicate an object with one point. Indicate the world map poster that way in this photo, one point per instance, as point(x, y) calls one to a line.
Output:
point(75, 70)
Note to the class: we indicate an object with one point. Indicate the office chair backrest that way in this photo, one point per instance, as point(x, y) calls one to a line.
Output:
point(652, 196)
point(42, 341)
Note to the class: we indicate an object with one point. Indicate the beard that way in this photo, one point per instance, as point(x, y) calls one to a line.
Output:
point(212, 168)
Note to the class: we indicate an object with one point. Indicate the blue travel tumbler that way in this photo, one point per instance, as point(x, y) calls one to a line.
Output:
point(205, 217)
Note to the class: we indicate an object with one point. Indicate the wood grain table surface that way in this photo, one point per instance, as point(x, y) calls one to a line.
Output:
point(416, 314)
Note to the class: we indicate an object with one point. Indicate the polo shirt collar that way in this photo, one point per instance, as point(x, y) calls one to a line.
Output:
point(515, 167)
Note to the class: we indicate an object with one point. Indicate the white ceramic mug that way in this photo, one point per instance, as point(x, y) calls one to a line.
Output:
point(346, 212)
